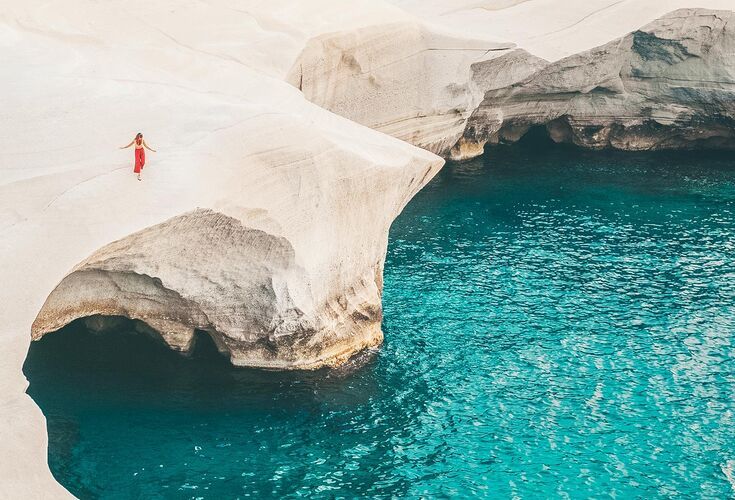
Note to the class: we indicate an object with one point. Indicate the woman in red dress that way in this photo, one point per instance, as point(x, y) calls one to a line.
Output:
point(139, 153)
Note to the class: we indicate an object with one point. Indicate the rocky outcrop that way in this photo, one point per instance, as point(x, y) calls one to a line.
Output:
point(265, 271)
point(205, 271)
point(488, 76)
point(403, 79)
point(669, 85)
point(262, 221)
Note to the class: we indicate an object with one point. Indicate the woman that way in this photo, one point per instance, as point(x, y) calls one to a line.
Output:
point(139, 153)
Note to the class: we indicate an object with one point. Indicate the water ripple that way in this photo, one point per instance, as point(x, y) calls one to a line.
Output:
point(558, 324)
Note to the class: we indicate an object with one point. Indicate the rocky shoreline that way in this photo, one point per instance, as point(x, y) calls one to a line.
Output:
point(263, 219)
point(667, 85)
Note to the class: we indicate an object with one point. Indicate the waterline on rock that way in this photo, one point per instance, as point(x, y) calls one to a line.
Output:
point(556, 322)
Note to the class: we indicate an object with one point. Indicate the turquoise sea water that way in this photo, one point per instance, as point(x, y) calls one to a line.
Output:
point(558, 323)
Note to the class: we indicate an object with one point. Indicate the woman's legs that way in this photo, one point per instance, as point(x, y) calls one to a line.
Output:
point(139, 162)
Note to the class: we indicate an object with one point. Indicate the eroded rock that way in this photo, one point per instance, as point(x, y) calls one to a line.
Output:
point(206, 271)
point(669, 85)
point(403, 79)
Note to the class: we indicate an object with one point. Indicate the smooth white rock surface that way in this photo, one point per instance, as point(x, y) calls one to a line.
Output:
point(205, 81)
point(421, 83)
point(404, 79)
point(550, 29)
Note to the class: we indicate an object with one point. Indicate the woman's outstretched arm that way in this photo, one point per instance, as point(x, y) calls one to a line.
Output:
point(131, 143)
point(148, 147)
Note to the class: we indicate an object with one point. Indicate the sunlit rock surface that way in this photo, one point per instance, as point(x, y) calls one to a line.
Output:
point(297, 199)
point(488, 76)
point(406, 80)
point(205, 271)
point(669, 85)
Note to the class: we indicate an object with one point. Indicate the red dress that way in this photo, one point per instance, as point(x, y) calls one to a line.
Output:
point(139, 160)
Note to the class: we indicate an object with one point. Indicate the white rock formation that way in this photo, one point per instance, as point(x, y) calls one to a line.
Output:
point(403, 79)
point(549, 29)
point(274, 286)
point(289, 205)
point(422, 84)
point(296, 199)
point(669, 85)
point(487, 77)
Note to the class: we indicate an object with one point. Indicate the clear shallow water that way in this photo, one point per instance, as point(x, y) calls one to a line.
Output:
point(558, 323)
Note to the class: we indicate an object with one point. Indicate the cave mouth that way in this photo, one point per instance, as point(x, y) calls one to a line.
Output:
point(536, 138)
point(114, 344)
point(715, 137)
point(124, 392)
point(123, 348)
point(592, 287)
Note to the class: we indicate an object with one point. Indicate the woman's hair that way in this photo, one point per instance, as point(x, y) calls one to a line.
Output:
point(138, 135)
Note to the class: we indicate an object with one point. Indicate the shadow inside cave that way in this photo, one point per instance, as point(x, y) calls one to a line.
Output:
point(136, 384)
point(127, 415)
point(125, 360)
